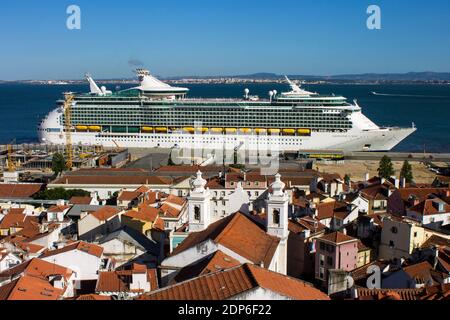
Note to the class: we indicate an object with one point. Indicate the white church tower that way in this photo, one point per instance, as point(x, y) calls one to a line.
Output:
point(199, 205)
point(277, 220)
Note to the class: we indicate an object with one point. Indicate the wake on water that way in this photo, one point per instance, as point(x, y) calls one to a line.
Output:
point(409, 95)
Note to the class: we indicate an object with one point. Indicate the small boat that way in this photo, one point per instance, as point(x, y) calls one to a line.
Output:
point(274, 131)
point(217, 130)
point(230, 130)
point(147, 129)
point(161, 129)
point(81, 127)
point(288, 131)
point(95, 128)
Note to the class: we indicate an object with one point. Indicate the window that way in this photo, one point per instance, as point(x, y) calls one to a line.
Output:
point(321, 259)
point(321, 273)
point(394, 230)
point(391, 244)
point(322, 246)
point(276, 216)
point(330, 261)
point(197, 213)
point(415, 234)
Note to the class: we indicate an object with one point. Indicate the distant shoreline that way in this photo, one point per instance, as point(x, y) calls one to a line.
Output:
point(233, 81)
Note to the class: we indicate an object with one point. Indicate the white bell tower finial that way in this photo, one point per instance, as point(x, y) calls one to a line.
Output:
point(199, 203)
point(278, 219)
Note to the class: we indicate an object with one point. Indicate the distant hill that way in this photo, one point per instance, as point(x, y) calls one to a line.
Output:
point(410, 76)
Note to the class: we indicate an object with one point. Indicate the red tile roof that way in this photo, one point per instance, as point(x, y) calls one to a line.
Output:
point(113, 180)
point(80, 200)
point(105, 213)
point(37, 268)
point(120, 280)
point(337, 238)
point(144, 213)
point(12, 220)
point(30, 288)
point(427, 207)
point(58, 208)
point(175, 200)
point(214, 262)
point(167, 210)
point(93, 297)
point(88, 248)
point(232, 282)
point(239, 233)
point(128, 195)
point(19, 190)
point(388, 294)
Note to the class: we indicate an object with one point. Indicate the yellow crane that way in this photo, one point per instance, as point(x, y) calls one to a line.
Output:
point(11, 164)
point(68, 128)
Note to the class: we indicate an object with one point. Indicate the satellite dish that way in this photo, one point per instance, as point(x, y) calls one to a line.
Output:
point(270, 94)
point(275, 92)
point(246, 91)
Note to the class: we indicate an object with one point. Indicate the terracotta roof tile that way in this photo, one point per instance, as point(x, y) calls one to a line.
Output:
point(128, 195)
point(239, 233)
point(30, 288)
point(120, 280)
point(80, 200)
point(93, 297)
point(19, 190)
point(214, 262)
point(337, 238)
point(105, 213)
point(37, 268)
point(231, 282)
point(144, 213)
point(89, 248)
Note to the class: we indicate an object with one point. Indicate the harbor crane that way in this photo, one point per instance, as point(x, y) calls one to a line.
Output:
point(68, 128)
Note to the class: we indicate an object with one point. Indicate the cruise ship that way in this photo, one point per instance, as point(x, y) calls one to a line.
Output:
point(156, 114)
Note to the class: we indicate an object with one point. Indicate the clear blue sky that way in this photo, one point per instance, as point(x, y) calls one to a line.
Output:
point(210, 37)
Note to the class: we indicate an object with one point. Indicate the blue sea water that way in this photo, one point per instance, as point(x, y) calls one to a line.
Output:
point(428, 106)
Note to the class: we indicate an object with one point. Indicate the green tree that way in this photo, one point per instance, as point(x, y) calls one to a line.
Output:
point(58, 163)
point(406, 172)
point(61, 193)
point(385, 168)
point(347, 179)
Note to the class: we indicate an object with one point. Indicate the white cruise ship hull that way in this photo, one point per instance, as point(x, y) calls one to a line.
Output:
point(380, 139)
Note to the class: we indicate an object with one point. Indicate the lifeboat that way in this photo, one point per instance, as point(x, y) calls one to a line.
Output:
point(260, 130)
point(245, 130)
point(202, 130)
point(304, 132)
point(81, 128)
point(216, 130)
point(288, 131)
point(95, 128)
point(189, 129)
point(161, 129)
point(147, 129)
point(230, 130)
point(274, 131)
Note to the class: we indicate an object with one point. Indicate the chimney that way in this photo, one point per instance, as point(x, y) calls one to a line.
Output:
point(366, 176)
point(396, 182)
point(403, 183)
point(436, 256)
point(383, 180)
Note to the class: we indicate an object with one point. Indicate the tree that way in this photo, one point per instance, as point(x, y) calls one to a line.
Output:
point(61, 194)
point(347, 179)
point(385, 168)
point(58, 163)
point(406, 172)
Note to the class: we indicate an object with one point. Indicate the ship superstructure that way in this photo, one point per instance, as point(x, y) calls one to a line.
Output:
point(155, 114)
